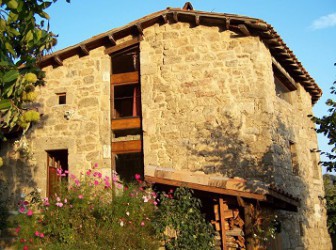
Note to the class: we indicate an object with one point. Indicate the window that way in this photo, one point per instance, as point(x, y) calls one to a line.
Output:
point(56, 159)
point(125, 61)
point(284, 83)
point(281, 90)
point(61, 98)
point(127, 101)
point(127, 165)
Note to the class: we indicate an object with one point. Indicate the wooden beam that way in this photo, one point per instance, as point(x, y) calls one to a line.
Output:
point(283, 75)
point(164, 17)
point(222, 222)
point(243, 29)
point(283, 198)
point(125, 147)
point(139, 29)
point(227, 23)
point(175, 17)
point(124, 45)
point(58, 61)
point(197, 20)
point(111, 38)
point(125, 78)
point(127, 123)
point(84, 49)
point(205, 188)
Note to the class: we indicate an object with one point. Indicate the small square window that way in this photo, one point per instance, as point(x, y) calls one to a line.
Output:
point(61, 98)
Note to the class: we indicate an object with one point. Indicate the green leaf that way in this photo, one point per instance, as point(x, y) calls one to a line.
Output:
point(10, 76)
point(12, 4)
point(29, 36)
point(10, 48)
point(5, 104)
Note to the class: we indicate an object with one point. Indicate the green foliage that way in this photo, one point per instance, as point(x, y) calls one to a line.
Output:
point(90, 214)
point(327, 127)
point(180, 222)
point(330, 196)
point(23, 41)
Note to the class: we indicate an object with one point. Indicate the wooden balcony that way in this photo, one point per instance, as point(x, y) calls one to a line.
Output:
point(125, 78)
point(125, 147)
point(126, 123)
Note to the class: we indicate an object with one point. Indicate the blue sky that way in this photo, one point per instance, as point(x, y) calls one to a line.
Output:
point(308, 27)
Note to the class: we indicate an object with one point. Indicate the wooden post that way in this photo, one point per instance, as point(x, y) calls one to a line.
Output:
point(222, 208)
point(248, 225)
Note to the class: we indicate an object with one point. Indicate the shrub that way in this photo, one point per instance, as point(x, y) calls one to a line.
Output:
point(92, 213)
point(180, 223)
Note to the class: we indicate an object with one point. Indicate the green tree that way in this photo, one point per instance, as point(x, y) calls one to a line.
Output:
point(327, 126)
point(330, 196)
point(24, 39)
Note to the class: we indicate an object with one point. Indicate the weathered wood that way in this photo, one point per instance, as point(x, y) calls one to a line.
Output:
point(243, 29)
point(111, 38)
point(205, 188)
point(125, 78)
point(139, 28)
point(127, 123)
point(197, 20)
point(222, 208)
point(235, 232)
point(84, 49)
point(175, 16)
point(124, 147)
point(58, 61)
point(216, 212)
point(228, 214)
point(124, 45)
point(164, 17)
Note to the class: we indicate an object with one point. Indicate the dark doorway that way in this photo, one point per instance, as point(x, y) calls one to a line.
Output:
point(127, 165)
point(56, 160)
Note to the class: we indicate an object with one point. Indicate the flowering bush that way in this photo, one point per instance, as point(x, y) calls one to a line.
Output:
point(180, 222)
point(93, 212)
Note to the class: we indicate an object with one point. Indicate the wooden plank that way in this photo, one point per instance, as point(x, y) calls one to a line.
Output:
point(125, 147)
point(127, 123)
point(124, 45)
point(222, 222)
point(200, 187)
point(125, 78)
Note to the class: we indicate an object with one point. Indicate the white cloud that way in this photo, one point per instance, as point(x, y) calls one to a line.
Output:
point(324, 22)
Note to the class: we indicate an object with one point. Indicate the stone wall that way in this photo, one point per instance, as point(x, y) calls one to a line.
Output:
point(82, 125)
point(209, 105)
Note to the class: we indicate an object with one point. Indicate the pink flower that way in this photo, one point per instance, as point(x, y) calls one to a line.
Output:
point(58, 199)
point(17, 230)
point(142, 223)
point(30, 212)
point(60, 172)
point(77, 182)
point(88, 173)
point(42, 235)
point(25, 248)
point(95, 165)
point(96, 183)
point(37, 233)
point(59, 204)
point(137, 177)
point(80, 196)
point(65, 200)
point(22, 209)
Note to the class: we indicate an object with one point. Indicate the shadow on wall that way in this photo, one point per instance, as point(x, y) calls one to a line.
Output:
point(225, 152)
point(18, 171)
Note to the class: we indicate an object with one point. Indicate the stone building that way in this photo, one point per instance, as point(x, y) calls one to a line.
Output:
point(216, 102)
